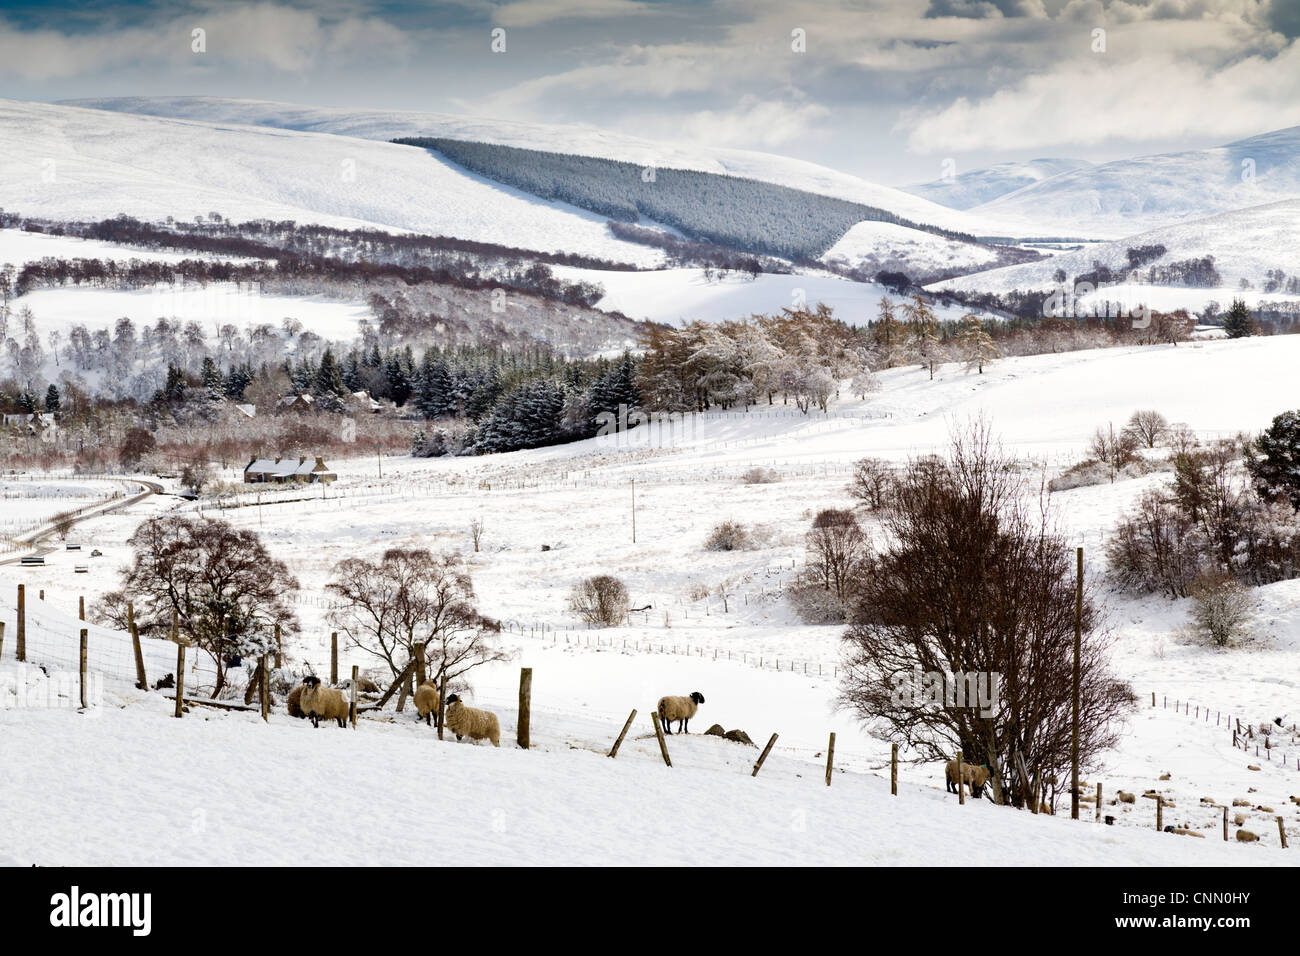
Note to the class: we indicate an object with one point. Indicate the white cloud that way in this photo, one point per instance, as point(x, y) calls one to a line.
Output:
point(261, 34)
point(531, 13)
point(1146, 98)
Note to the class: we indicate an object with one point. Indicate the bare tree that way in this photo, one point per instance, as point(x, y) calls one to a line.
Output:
point(409, 597)
point(836, 547)
point(1148, 427)
point(1113, 449)
point(976, 581)
point(870, 484)
point(476, 532)
point(601, 600)
point(227, 591)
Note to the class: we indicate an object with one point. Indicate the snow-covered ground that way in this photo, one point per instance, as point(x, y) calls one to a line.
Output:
point(717, 623)
point(883, 245)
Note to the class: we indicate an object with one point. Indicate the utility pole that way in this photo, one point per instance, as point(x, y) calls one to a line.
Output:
point(1074, 704)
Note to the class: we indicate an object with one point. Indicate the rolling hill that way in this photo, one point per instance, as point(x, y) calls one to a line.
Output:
point(980, 186)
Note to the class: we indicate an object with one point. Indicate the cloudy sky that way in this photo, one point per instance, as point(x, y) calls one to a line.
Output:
point(886, 89)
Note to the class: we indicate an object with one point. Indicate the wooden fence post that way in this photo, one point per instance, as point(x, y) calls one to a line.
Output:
point(81, 607)
point(20, 639)
point(2, 640)
point(630, 717)
point(763, 756)
point(264, 686)
point(334, 659)
point(961, 788)
point(1225, 824)
point(1281, 831)
point(1160, 812)
point(1097, 817)
point(525, 706)
point(659, 733)
point(352, 706)
point(442, 703)
point(82, 668)
point(893, 769)
point(279, 648)
point(830, 759)
point(420, 674)
point(180, 674)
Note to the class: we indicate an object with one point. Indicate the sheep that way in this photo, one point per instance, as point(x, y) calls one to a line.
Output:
point(1245, 836)
point(1126, 797)
point(326, 702)
point(294, 703)
point(1239, 819)
point(470, 722)
point(426, 701)
point(680, 709)
point(973, 775)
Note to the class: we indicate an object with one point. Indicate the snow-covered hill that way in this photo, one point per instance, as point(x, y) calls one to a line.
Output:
point(73, 163)
point(1129, 196)
point(1245, 245)
point(979, 186)
point(565, 801)
point(582, 140)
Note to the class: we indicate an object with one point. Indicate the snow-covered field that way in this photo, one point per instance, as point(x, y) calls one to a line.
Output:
point(211, 305)
point(717, 623)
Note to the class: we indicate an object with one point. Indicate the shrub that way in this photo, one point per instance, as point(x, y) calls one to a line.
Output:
point(728, 536)
point(601, 600)
point(760, 476)
point(1221, 608)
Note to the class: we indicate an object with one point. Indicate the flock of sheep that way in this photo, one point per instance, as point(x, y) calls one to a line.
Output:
point(311, 701)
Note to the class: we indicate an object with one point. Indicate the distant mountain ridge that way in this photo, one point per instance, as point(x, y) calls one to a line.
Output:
point(979, 186)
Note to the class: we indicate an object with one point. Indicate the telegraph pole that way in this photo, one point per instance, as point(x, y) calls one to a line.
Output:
point(1074, 704)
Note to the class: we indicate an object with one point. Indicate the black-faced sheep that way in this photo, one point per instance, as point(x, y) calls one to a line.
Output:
point(294, 703)
point(426, 701)
point(323, 702)
point(470, 722)
point(680, 709)
point(1245, 836)
point(975, 776)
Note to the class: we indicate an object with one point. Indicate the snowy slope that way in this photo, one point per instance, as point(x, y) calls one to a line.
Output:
point(1244, 244)
point(980, 186)
point(676, 296)
point(389, 124)
point(1134, 195)
point(66, 162)
point(878, 246)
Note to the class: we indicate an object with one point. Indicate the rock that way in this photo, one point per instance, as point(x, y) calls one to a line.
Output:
point(739, 736)
point(716, 731)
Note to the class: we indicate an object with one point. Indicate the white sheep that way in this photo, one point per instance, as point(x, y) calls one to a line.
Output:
point(323, 702)
point(426, 701)
point(470, 722)
point(680, 709)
